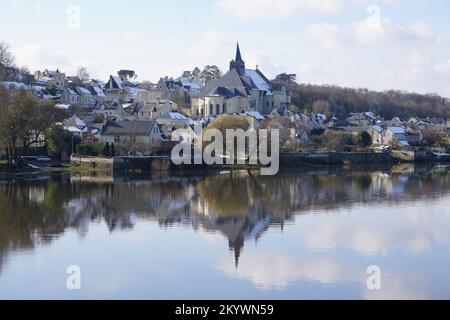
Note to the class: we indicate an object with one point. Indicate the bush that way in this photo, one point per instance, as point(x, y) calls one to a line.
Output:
point(363, 139)
point(89, 149)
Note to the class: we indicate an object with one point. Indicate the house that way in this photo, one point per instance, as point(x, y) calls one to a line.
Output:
point(70, 96)
point(166, 89)
point(145, 134)
point(58, 79)
point(414, 137)
point(156, 109)
point(240, 90)
point(254, 118)
point(377, 134)
point(109, 110)
point(175, 119)
point(75, 125)
point(97, 93)
point(85, 96)
point(396, 135)
point(115, 89)
point(361, 119)
point(192, 86)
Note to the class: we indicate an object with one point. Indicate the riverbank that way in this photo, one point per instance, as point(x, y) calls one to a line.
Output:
point(110, 166)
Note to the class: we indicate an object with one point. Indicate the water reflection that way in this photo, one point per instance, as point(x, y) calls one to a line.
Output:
point(241, 208)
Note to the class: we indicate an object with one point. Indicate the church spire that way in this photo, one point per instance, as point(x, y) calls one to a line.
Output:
point(238, 64)
point(238, 54)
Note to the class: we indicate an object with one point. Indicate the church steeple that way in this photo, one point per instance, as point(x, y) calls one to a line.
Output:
point(238, 54)
point(238, 64)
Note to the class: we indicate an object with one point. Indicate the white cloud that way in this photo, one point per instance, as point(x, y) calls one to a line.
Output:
point(268, 271)
point(39, 56)
point(327, 35)
point(443, 67)
point(212, 47)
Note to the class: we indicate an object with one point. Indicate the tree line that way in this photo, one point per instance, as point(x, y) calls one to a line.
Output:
point(343, 101)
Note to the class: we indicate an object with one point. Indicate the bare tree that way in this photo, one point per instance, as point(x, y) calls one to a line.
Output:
point(7, 66)
point(132, 146)
point(83, 74)
point(127, 75)
point(23, 122)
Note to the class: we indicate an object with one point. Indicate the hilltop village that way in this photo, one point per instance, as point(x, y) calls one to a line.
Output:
point(124, 117)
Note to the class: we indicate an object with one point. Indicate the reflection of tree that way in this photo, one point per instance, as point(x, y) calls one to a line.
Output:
point(227, 196)
point(362, 183)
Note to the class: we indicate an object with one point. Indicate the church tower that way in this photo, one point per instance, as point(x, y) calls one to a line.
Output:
point(238, 63)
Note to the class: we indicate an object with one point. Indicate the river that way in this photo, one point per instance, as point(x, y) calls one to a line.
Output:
point(305, 234)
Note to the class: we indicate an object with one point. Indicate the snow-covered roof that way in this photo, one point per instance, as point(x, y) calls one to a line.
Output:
point(127, 105)
point(404, 143)
point(99, 92)
point(14, 85)
point(191, 84)
point(134, 92)
point(396, 130)
point(255, 114)
point(62, 106)
point(259, 81)
point(377, 128)
point(177, 116)
point(118, 81)
point(83, 90)
point(72, 91)
point(73, 129)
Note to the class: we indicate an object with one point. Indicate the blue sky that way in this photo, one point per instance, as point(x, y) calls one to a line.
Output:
point(380, 45)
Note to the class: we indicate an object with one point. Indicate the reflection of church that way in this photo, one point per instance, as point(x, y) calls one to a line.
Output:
point(236, 229)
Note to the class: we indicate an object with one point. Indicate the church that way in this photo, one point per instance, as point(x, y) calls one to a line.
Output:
point(239, 90)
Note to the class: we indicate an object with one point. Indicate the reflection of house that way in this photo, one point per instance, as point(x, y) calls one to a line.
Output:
point(146, 133)
point(239, 91)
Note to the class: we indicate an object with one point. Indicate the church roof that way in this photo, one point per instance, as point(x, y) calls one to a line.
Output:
point(237, 82)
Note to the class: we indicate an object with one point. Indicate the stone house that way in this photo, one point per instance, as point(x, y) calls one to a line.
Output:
point(141, 135)
point(377, 134)
point(395, 135)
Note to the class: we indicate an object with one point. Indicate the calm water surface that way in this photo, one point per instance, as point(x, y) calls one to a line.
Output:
point(300, 235)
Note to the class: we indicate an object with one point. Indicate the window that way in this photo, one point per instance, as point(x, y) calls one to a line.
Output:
point(211, 107)
point(217, 109)
point(117, 139)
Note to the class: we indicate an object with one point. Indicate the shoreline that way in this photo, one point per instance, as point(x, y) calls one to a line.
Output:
point(35, 175)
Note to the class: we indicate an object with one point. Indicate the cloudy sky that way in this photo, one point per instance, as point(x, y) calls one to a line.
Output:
point(378, 44)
